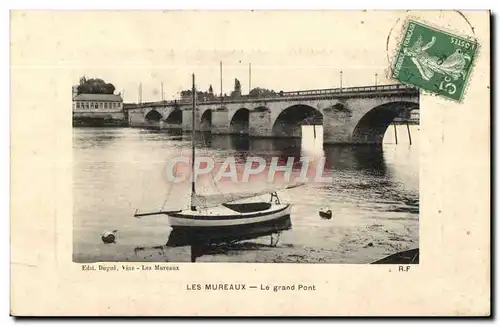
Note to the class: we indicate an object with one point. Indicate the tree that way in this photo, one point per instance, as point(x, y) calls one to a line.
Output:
point(94, 86)
point(201, 96)
point(186, 94)
point(262, 92)
point(84, 89)
point(110, 88)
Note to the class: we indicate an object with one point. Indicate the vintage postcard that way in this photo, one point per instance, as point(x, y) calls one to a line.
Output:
point(250, 163)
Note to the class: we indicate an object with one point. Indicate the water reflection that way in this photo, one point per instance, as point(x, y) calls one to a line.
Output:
point(161, 135)
point(362, 158)
point(99, 140)
point(374, 193)
point(240, 143)
point(360, 169)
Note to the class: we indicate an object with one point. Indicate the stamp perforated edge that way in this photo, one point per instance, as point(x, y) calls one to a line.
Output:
point(419, 20)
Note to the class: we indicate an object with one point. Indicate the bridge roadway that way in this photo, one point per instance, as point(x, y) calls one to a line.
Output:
point(354, 115)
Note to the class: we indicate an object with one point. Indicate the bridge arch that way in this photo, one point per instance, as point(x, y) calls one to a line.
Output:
point(175, 117)
point(239, 122)
point(290, 121)
point(370, 129)
point(206, 120)
point(153, 115)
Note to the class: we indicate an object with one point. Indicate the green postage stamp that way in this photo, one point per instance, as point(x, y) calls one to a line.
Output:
point(435, 60)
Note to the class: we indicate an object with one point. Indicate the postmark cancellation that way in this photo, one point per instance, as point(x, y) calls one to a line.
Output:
point(435, 60)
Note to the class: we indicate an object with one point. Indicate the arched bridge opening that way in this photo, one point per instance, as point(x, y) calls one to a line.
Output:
point(371, 128)
point(175, 117)
point(153, 116)
point(290, 122)
point(206, 121)
point(240, 122)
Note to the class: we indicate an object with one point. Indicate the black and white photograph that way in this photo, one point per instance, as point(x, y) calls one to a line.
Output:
point(246, 155)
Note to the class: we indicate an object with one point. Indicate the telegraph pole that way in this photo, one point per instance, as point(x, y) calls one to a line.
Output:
point(221, 100)
point(162, 95)
point(140, 93)
point(249, 77)
point(376, 75)
point(193, 119)
point(341, 72)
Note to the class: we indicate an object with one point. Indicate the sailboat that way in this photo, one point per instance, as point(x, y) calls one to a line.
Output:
point(223, 218)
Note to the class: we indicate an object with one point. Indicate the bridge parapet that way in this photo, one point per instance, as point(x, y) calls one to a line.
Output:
point(355, 90)
point(329, 93)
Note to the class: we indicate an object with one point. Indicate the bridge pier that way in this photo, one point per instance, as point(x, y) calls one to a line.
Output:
point(220, 122)
point(259, 123)
point(336, 131)
point(187, 118)
point(136, 118)
point(287, 131)
point(338, 137)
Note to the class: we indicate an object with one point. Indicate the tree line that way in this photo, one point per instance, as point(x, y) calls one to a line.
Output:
point(99, 86)
point(235, 93)
point(94, 86)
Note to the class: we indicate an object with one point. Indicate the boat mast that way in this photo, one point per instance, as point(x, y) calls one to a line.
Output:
point(193, 189)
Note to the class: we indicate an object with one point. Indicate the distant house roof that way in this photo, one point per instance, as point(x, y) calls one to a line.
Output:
point(99, 97)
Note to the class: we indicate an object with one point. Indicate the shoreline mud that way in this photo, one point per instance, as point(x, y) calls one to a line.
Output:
point(366, 246)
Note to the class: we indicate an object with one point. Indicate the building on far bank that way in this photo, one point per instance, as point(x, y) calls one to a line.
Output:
point(97, 102)
point(98, 110)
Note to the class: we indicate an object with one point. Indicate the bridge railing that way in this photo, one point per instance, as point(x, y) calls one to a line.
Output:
point(314, 92)
point(362, 89)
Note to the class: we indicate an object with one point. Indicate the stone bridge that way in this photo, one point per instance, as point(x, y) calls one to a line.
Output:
point(355, 115)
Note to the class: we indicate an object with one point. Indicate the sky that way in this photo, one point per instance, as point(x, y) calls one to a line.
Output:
point(288, 50)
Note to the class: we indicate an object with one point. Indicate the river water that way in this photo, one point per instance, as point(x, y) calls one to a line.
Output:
point(373, 197)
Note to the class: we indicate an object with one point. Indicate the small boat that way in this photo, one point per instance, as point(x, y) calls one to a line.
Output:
point(403, 257)
point(325, 214)
point(229, 222)
point(222, 218)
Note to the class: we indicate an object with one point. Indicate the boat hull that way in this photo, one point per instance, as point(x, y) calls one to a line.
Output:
point(226, 217)
point(411, 256)
point(233, 230)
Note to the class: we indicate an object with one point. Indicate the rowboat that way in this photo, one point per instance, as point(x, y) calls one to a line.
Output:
point(403, 257)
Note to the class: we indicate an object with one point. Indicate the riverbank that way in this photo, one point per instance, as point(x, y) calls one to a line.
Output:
point(362, 247)
point(99, 122)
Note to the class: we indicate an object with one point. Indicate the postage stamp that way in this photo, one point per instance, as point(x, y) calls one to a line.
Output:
point(435, 60)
